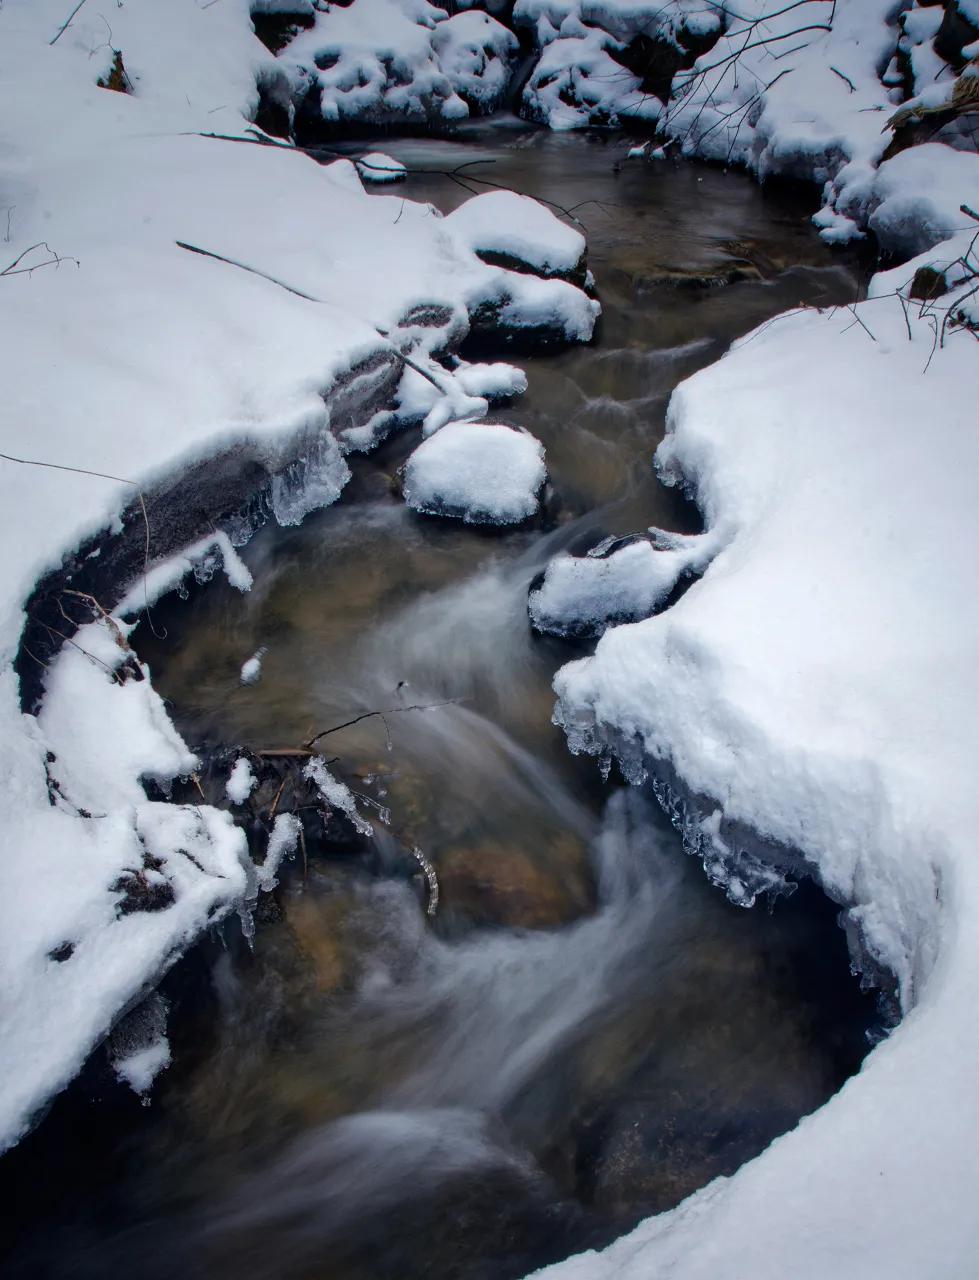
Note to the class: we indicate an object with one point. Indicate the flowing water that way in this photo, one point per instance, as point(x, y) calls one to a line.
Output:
point(586, 1031)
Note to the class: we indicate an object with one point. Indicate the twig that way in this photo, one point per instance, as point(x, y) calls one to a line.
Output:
point(56, 259)
point(67, 22)
point(845, 79)
point(421, 706)
point(278, 794)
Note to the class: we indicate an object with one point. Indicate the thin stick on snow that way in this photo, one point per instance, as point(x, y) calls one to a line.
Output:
point(55, 260)
point(66, 24)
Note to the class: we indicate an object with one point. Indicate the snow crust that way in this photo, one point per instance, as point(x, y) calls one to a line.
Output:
point(480, 472)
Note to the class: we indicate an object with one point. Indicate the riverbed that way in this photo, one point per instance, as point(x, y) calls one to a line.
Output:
point(585, 1031)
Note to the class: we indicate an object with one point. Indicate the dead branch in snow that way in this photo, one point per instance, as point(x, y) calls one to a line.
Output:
point(53, 260)
point(66, 24)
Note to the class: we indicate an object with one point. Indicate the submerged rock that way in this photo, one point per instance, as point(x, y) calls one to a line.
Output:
point(494, 884)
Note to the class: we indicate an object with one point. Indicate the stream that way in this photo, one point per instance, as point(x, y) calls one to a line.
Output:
point(586, 1031)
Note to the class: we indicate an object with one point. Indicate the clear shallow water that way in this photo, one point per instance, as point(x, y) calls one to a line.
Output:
point(587, 1031)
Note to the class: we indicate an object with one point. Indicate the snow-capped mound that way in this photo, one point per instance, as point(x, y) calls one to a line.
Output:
point(582, 595)
point(399, 61)
point(543, 312)
point(507, 227)
point(475, 52)
point(480, 472)
point(377, 167)
point(917, 197)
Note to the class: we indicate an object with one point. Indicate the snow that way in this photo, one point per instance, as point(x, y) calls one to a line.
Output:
point(514, 226)
point(283, 843)
point(482, 473)
point(817, 686)
point(142, 1066)
point(241, 781)
point(377, 167)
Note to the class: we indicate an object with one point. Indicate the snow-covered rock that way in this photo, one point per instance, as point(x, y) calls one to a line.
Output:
point(917, 197)
point(480, 472)
point(582, 595)
point(398, 61)
point(515, 229)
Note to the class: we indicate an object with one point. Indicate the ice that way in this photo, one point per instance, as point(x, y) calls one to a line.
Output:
point(482, 473)
point(241, 781)
point(336, 793)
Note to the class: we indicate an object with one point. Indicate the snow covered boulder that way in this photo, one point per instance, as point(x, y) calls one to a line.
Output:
point(530, 313)
point(475, 52)
point(479, 472)
point(917, 196)
point(377, 167)
point(618, 581)
point(397, 62)
point(516, 231)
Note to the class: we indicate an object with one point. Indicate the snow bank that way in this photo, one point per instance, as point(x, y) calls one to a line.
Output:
point(818, 687)
point(483, 473)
